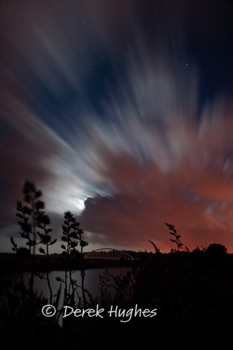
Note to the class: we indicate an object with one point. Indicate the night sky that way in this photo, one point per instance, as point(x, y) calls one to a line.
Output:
point(120, 111)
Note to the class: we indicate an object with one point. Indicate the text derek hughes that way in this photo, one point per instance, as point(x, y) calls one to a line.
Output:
point(125, 315)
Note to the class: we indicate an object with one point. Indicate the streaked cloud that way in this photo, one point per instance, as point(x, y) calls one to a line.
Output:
point(105, 117)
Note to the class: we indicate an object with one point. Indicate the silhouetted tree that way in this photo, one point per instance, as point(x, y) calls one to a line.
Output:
point(47, 241)
point(72, 234)
point(34, 227)
point(176, 237)
point(45, 237)
point(22, 251)
point(32, 216)
point(216, 250)
point(83, 244)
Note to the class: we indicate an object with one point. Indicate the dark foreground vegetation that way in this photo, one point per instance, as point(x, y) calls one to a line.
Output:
point(178, 300)
point(192, 292)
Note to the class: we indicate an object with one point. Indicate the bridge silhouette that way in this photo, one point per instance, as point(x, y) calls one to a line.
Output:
point(108, 254)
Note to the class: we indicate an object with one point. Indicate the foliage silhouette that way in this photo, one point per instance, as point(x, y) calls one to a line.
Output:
point(155, 247)
point(176, 237)
point(45, 237)
point(72, 234)
point(33, 220)
point(34, 227)
point(216, 250)
point(22, 251)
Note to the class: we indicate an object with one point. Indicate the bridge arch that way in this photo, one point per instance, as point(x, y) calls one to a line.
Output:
point(108, 254)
